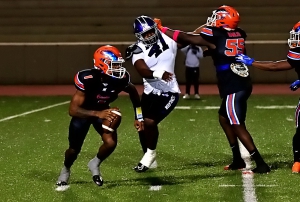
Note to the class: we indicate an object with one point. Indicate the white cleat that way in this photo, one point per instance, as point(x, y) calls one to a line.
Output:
point(186, 96)
point(153, 165)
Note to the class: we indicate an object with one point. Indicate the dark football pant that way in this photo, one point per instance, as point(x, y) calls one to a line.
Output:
point(234, 106)
point(157, 107)
point(79, 128)
point(296, 138)
point(191, 78)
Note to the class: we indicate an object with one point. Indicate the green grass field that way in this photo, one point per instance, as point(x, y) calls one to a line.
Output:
point(191, 153)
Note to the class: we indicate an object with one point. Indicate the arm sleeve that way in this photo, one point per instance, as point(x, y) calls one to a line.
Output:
point(78, 83)
point(136, 57)
point(207, 34)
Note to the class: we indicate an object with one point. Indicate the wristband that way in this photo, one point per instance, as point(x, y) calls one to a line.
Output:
point(139, 114)
point(164, 29)
point(175, 35)
point(158, 74)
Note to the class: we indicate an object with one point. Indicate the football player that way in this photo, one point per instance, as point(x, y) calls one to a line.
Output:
point(153, 56)
point(292, 61)
point(234, 82)
point(96, 89)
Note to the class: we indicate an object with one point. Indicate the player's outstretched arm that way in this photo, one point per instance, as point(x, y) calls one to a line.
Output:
point(183, 38)
point(280, 65)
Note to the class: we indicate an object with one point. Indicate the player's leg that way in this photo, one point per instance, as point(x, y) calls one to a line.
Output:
point(78, 129)
point(155, 109)
point(237, 161)
point(236, 108)
point(196, 82)
point(296, 142)
point(188, 83)
point(109, 144)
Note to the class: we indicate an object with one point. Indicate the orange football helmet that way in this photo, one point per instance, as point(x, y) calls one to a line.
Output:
point(109, 60)
point(294, 40)
point(225, 16)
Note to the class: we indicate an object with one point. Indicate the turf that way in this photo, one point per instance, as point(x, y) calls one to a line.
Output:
point(192, 151)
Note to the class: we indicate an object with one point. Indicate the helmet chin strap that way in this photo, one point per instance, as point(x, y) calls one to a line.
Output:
point(228, 29)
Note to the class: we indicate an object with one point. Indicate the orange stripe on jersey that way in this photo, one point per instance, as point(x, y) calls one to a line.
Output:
point(207, 31)
point(78, 82)
point(294, 55)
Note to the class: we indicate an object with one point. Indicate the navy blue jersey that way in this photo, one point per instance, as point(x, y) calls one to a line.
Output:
point(228, 45)
point(293, 57)
point(100, 89)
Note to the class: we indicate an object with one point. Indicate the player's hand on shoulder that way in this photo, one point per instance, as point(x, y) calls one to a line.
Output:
point(295, 85)
point(158, 23)
point(244, 59)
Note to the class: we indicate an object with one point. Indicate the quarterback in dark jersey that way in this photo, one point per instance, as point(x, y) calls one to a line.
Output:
point(292, 61)
point(226, 40)
point(90, 105)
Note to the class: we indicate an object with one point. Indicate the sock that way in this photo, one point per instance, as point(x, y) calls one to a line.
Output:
point(256, 157)
point(94, 166)
point(236, 151)
point(148, 158)
point(64, 174)
point(296, 149)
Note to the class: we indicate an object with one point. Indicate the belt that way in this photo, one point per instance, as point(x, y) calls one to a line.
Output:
point(222, 67)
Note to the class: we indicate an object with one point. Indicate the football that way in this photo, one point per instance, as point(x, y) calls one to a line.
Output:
point(112, 126)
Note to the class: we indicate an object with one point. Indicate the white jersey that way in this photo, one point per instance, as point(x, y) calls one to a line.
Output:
point(160, 56)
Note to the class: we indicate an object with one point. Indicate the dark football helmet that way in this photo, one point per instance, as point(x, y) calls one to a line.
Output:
point(294, 40)
point(145, 29)
point(109, 60)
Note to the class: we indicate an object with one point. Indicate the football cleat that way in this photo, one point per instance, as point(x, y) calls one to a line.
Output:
point(62, 186)
point(236, 165)
point(98, 180)
point(263, 168)
point(186, 96)
point(197, 96)
point(153, 165)
point(140, 168)
point(61, 183)
point(296, 167)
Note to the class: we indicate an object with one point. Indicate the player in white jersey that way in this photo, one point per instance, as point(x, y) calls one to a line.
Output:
point(153, 56)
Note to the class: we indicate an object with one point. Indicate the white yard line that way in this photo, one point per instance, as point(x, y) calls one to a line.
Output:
point(277, 107)
point(33, 111)
point(258, 107)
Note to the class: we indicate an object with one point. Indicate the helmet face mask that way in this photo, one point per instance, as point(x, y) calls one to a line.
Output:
point(109, 60)
point(225, 17)
point(294, 40)
point(145, 30)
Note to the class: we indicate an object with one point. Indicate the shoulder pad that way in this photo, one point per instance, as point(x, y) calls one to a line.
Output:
point(208, 31)
point(132, 49)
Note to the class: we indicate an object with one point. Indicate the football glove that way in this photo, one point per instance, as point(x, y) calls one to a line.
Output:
point(158, 23)
point(295, 85)
point(244, 59)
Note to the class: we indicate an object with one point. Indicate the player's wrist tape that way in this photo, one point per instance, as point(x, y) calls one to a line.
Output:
point(158, 74)
point(164, 29)
point(175, 35)
point(139, 114)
